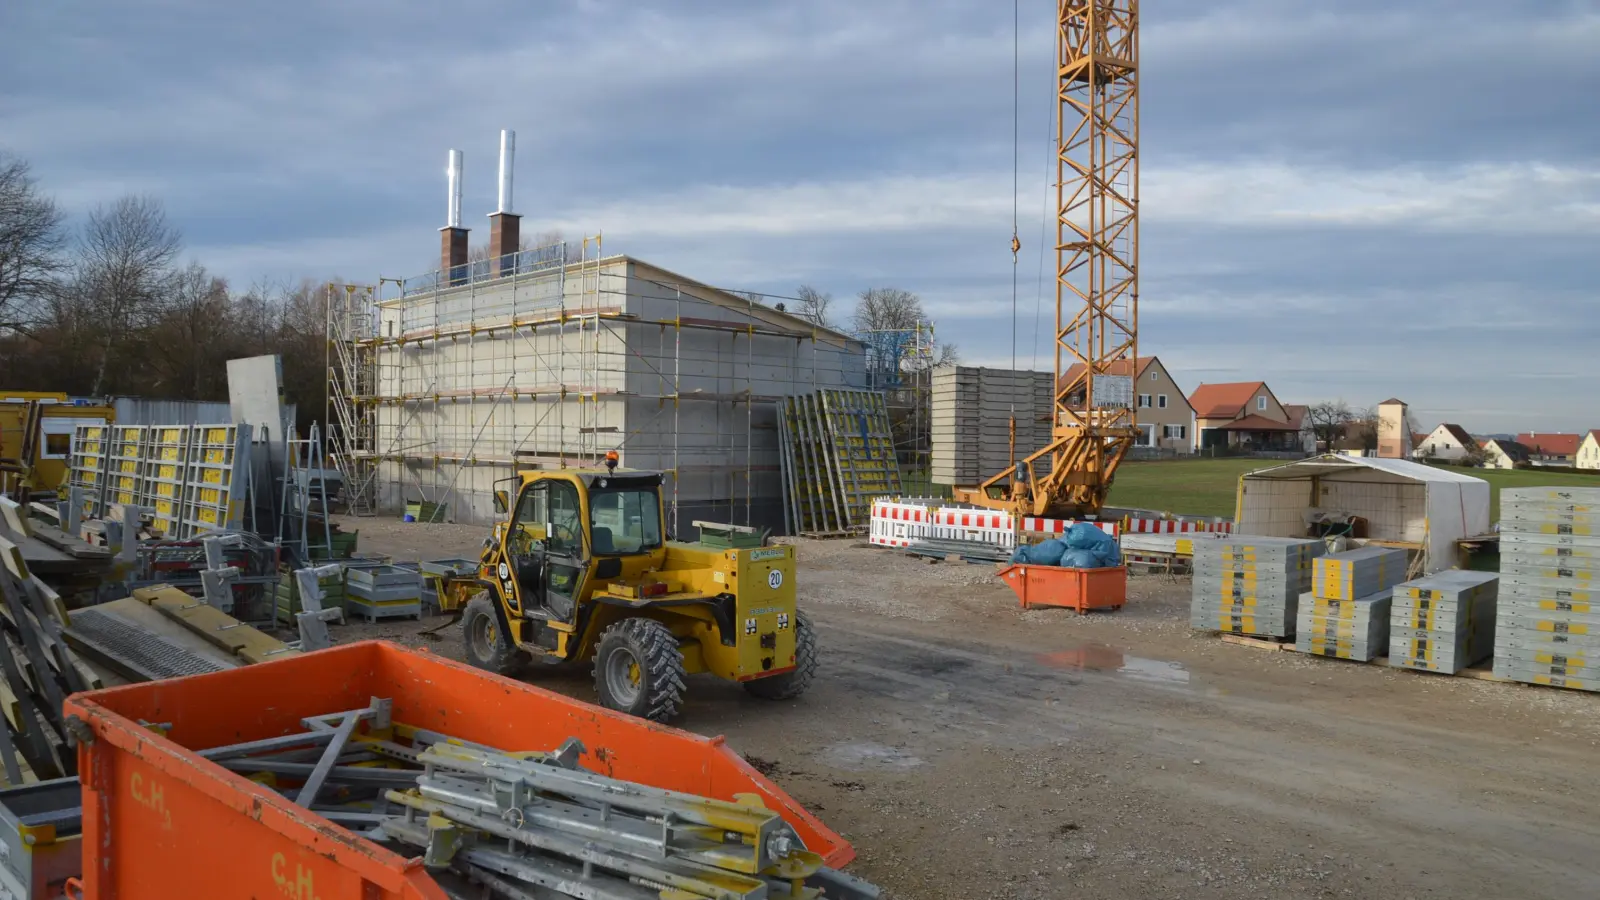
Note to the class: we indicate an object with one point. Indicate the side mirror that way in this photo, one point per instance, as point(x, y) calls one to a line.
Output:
point(502, 502)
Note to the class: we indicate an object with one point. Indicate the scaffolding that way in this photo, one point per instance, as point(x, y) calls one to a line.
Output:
point(554, 356)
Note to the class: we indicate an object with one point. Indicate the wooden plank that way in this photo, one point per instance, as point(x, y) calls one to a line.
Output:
point(69, 544)
point(1257, 643)
point(15, 519)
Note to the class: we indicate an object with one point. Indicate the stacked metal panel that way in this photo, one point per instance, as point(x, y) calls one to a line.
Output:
point(1251, 584)
point(1547, 628)
point(1443, 622)
point(971, 428)
point(837, 456)
point(89, 469)
point(1346, 613)
point(215, 479)
point(191, 478)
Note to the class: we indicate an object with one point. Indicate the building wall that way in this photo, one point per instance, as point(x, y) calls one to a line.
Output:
point(696, 402)
point(1394, 431)
point(1495, 458)
point(1588, 453)
point(1154, 383)
point(1442, 445)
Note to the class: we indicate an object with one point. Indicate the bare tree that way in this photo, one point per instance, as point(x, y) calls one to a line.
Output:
point(192, 337)
point(530, 242)
point(124, 269)
point(888, 309)
point(814, 306)
point(31, 240)
point(1329, 421)
point(1364, 424)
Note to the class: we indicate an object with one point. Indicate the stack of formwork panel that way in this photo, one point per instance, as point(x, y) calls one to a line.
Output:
point(1547, 628)
point(1346, 612)
point(837, 455)
point(972, 409)
point(1250, 584)
point(1443, 622)
point(89, 470)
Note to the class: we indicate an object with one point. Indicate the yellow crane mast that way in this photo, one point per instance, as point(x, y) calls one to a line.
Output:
point(1097, 270)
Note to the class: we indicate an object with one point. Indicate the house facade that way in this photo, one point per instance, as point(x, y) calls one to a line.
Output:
point(1447, 443)
point(1504, 454)
point(1547, 449)
point(1300, 417)
point(1589, 451)
point(1244, 416)
point(1165, 417)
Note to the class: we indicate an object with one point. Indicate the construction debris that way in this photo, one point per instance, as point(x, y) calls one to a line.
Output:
point(1444, 622)
point(1548, 625)
point(1250, 584)
point(837, 455)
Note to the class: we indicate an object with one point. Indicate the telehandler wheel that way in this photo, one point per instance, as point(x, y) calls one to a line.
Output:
point(794, 682)
point(487, 644)
point(638, 669)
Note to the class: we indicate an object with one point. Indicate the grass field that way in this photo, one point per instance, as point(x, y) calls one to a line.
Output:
point(1207, 487)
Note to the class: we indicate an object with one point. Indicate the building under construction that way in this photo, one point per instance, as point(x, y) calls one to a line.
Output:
point(554, 356)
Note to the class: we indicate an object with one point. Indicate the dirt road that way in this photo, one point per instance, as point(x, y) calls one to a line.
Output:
point(969, 749)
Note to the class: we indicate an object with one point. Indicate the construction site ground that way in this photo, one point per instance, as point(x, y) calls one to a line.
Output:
point(970, 749)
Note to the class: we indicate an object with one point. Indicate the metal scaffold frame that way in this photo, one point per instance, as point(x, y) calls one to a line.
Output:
point(538, 366)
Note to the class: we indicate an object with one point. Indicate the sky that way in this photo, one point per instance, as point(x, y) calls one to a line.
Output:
point(1356, 203)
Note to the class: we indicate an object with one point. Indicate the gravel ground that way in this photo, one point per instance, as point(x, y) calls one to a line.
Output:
point(969, 749)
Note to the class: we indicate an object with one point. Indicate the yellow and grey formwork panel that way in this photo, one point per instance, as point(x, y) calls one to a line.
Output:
point(1547, 628)
point(1347, 629)
point(166, 469)
point(1362, 572)
point(1443, 622)
point(125, 462)
point(837, 454)
point(1251, 584)
point(215, 479)
point(88, 469)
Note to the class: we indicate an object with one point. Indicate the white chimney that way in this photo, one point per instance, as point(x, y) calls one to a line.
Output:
point(508, 150)
point(453, 210)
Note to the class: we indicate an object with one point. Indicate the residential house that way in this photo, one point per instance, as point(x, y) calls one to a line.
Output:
point(1164, 414)
point(1545, 449)
point(1299, 417)
point(1589, 451)
point(1447, 443)
point(1499, 453)
point(1244, 416)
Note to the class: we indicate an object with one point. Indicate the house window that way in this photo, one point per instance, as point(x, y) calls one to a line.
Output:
point(1175, 432)
point(1155, 376)
point(1144, 401)
point(1161, 401)
point(1261, 404)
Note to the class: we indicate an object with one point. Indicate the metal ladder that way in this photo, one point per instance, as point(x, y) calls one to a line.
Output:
point(303, 500)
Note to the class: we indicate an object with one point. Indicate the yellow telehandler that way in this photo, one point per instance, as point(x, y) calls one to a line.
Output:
point(580, 570)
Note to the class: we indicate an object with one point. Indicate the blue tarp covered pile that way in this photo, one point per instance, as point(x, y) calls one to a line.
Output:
point(1084, 546)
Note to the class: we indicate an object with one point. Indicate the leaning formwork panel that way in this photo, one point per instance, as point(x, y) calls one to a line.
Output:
point(88, 471)
point(166, 469)
point(838, 456)
point(127, 484)
point(214, 484)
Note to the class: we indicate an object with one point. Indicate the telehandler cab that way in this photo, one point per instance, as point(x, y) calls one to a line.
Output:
point(580, 570)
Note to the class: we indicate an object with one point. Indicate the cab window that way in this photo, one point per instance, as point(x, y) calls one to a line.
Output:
point(625, 521)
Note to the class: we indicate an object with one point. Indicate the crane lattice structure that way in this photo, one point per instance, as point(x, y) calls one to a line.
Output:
point(1097, 268)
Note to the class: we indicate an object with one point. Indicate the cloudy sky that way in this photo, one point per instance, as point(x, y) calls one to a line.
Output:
point(1390, 199)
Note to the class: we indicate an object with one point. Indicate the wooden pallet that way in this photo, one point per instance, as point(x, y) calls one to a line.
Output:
point(1259, 643)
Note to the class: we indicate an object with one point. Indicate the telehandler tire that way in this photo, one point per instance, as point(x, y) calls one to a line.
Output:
point(638, 669)
point(487, 645)
point(794, 682)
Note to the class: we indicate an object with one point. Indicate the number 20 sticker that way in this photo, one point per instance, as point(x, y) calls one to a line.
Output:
point(775, 579)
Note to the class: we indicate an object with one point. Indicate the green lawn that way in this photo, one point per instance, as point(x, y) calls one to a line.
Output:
point(1208, 487)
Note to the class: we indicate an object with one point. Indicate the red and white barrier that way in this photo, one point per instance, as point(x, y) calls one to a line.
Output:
point(1176, 526)
point(898, 523)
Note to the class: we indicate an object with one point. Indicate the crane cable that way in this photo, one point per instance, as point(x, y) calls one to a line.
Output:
point(1016, 240)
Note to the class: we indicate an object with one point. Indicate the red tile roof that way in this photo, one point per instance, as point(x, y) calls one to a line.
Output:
point(1258, 423)
point(1296, 414)
point(1118, 367)
point(1215, 401)
point(1551, 444)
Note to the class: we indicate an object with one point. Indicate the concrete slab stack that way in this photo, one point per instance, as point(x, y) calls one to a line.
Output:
point(1443, 622)
point(1547, 628)
point(971, 427)
point(1251, 584)
point(1346, 613)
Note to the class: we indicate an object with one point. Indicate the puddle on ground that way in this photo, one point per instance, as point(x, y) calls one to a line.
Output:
point(1100, 658)
point(865, 754)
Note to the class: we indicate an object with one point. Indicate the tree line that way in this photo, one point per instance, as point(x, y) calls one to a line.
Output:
point(111, 307)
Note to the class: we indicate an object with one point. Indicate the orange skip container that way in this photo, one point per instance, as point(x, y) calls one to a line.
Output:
point(160, 821)
point(1079, 589)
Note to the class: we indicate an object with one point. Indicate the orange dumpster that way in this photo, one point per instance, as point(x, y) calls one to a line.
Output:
point(1079, 589)
point(161, 821)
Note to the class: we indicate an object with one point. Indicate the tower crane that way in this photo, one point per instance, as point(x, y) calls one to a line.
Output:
point(1093, 422)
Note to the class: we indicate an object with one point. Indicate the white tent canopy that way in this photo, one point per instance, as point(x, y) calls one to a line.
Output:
point(1402, 502)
